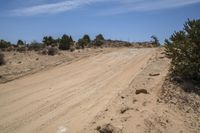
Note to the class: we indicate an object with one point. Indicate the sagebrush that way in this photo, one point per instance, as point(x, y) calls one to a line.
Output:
point(52, 51)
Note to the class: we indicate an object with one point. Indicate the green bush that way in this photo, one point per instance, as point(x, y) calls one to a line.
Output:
point(83, 42)
point(20, 42)
point(4, 44)
point(155, 41)
point(99, 40)
point(48, 40)
point(66, 42)
point(2, 60)
point(183, 48)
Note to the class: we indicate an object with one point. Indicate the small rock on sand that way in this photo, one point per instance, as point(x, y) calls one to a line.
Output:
point(143, 91)
point(108, 128)
point(154, 74)
point(124, 109)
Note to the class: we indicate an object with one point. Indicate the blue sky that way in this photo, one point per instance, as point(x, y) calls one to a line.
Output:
point(130, 20)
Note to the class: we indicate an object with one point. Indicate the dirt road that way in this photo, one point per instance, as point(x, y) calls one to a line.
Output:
point(67, 97)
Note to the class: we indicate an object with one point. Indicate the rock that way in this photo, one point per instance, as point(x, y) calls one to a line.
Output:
point(159, 101)
point(154, 74)
point(134, 101)
point(108, 128)
point(161, 57)
point(98, 128)
point(124, 109)
point(143, 91)
point(122, 97)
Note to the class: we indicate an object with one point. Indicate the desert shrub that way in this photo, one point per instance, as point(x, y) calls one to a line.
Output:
point(22, 49)
point(66, 42)
point(183, 48)
point(100, 37)
point(48, 40)
point(35, 46)
point(4, 44)
point(155, 41)
point(52, 51)
point(99, 40)
point(20, 42)
point(87, 38)
point(127, 44)
point(77, 46)
point(2, 60)
point(83, 42)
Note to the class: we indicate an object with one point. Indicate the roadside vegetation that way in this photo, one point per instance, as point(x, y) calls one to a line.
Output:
point(155, 41)
point(83, 42)
point(2, 60)
point(183, 47)
point(4, 45)
point(66, 42)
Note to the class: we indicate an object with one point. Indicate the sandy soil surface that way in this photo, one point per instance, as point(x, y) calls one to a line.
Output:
point(150, 104)
point(21, 64)
point(96, 94)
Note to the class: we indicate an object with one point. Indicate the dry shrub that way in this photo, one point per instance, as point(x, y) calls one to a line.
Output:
point(2, 60)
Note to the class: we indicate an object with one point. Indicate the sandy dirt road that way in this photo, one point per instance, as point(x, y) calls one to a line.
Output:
point(67, 97)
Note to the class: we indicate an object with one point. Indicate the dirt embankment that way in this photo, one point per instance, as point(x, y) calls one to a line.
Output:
point(118, 91)
point(150, 104)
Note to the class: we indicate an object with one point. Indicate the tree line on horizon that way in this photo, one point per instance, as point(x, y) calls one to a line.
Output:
point(66, 42)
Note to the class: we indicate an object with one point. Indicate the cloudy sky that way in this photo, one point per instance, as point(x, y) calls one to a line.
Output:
point(131, 20)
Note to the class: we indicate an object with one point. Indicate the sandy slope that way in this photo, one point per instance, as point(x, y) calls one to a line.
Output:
point(67, 97)
point(136, 113)
point(166, 108)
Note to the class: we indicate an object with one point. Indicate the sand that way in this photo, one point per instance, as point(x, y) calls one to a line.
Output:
point(91, 92)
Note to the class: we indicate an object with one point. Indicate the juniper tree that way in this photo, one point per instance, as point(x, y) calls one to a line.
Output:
point(66, 42)
point(183, 47)
point(84, 41)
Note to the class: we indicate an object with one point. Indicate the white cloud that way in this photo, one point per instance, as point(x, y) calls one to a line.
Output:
point(161, 4)
point(47, 8)
point(146, 5)
point(119, 7)
point(52, 7)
